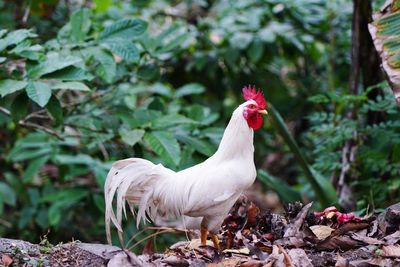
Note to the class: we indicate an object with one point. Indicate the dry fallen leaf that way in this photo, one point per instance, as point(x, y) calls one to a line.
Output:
point(299, 258)
point(233, 262)
point(393, 238)
point(125, 258)
point(351, 226)
point(286, 259)
point(373, 262)
point(252, 263)
point(341, 262)
point(175, 261)
point(391, 251)
point(252, 213)
point(244, 251)
point(6, 260)
point(343, 242)
point(295, 225)
point(196, 243)
point(366, 239)
point(321, 231)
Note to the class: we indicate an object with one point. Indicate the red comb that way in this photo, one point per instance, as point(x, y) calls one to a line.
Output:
point(252, 93)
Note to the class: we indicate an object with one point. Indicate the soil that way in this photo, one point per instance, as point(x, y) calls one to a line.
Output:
point(248, 237)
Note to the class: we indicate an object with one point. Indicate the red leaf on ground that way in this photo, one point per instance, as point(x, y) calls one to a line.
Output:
point(6, 260)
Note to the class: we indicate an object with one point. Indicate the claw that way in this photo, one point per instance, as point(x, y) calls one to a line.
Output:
point(216, 241)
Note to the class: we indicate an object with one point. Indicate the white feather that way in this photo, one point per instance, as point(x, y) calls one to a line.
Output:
point(207, 190)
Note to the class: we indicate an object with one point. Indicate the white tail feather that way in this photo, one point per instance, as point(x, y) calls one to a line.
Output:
point(133, 180)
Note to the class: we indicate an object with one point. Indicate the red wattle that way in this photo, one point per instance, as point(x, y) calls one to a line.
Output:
point(255, 121)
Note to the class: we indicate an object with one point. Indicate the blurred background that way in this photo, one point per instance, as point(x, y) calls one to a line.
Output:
point(85, 83)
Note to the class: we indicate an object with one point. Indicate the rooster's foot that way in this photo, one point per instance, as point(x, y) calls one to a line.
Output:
point(216, 241)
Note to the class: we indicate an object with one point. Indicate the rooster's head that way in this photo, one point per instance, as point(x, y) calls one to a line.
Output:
point(255, 108)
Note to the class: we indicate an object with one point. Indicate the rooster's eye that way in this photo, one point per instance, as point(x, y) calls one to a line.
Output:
point(251, 106)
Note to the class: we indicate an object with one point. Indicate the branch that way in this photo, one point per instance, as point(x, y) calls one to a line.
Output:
point(5, 111)
point(40, 127)
point(32, 125)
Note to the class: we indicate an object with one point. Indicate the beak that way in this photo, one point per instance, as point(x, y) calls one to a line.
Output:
point(263, 112)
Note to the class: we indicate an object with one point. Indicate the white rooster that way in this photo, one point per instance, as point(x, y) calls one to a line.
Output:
point(206, 191)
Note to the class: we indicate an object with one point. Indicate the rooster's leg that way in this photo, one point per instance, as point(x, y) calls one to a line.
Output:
point(203, 235)
point(216, 241)
point(203, 231)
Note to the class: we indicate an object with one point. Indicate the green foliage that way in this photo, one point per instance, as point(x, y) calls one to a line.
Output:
point(324, 191)
point(385, 33)
point(377, 144)
point(157, 80)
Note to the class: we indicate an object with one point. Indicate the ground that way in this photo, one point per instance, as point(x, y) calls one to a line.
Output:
point(250, 237)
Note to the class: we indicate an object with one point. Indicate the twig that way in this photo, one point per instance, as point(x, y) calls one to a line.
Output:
point(37, 114)
point(5, 111)
point(85, 127)
point(169, 229)
point(286, 258)
point(26, 14)
point(32, 125)
point(40, 127)
point(135, 235)
point(150, 236)
point(104, 152)
point(5, 223)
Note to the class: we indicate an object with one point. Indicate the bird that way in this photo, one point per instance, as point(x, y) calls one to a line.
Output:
point(201, 195)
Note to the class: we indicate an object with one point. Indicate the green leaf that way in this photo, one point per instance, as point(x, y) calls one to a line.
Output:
point(165, 145)
point(15, 37)
point(189, 89)
point(21, 155)
point(107, 69)
point(3, 32)
point(102, 5)
point(148, 72)
point(69, 74)
point(53, 63)
point(199, 145)
point(27, 50)
point(39, 92)
point(31, 146)
point(54, 214)
point(124, 49)
point(241, 40)
point(172, 119)
point(19, 107)
point(256, 51)
point(131, 137)
point(323, 189)
point(75, 86)
point(123, 29)
point(74, 159)
point(215, 134)
point(99, 202)
point(170, 39)
point(285, 192)
point(33, 168)
point(9, 86)
point(80, 24)
point(65, 197)
point(26, 215)
point(8, 194)
point(1, 204)
point(55, 109)
point(385, 29)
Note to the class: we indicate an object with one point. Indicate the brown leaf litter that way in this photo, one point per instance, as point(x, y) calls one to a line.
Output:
point(249, 237)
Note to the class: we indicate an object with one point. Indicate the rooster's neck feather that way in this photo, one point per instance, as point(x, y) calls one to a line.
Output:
point(237, 140)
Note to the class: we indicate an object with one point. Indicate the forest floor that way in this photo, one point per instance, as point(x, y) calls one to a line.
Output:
point(249, 237)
